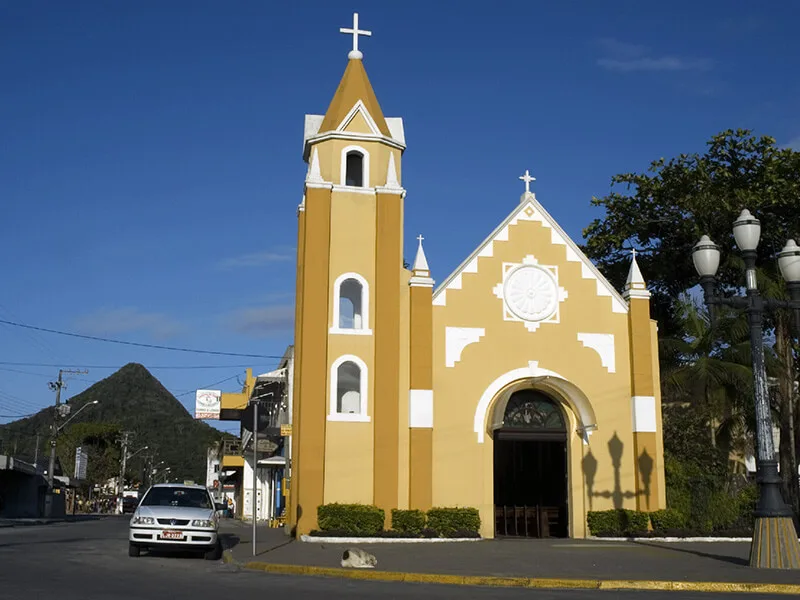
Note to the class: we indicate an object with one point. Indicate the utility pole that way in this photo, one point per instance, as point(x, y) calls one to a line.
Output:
point(36, 456)
point(56, 386)
point(121, 484)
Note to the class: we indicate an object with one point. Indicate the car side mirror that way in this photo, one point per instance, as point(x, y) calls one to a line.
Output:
point(221, 506)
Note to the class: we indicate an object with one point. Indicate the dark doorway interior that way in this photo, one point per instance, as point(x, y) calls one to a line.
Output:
point(530, 468)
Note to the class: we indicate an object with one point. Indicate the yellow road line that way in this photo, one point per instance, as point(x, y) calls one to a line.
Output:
point(526, 582)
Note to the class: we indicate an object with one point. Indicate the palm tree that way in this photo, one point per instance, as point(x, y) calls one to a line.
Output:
point(708, 368)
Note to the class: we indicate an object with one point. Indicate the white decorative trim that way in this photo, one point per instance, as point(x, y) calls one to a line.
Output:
point(643, 409)
point(458, 338)
point(501, 291)
point(311, 127)
point(302, 206)
point(417, 281)
point(364, 167)
point(333, 414)
point(635, 293)
point(420, 408)
point(603, 344)
point(349, 136)
point(314, 174)
point(337, 286)
point(371, 540)
point(531, 210)
point(391, 174)
point(353, 190)
point(395, 125)
point(381, 189)
point(340, 331)
point(545, 380)
point(349, 418)
point(359, 107)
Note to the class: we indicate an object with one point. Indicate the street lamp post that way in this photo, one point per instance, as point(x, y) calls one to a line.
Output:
point(775, 544)
point(51, 467)
point(121, 486)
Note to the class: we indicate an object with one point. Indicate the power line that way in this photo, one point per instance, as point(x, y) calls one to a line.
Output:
point(205, 387)
point(127, 343)
point(62, 366)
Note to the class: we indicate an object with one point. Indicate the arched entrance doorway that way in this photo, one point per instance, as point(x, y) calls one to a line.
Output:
point(530, 467)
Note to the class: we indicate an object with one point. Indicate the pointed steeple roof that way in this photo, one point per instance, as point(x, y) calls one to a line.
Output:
point(422, 273)
point(353, 87)
point(635, 286)
point(421, 262)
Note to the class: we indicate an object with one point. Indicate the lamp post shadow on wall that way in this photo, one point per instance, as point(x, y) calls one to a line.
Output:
point(775, 544)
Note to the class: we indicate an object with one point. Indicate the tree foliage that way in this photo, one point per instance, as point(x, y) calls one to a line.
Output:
point(664, 211)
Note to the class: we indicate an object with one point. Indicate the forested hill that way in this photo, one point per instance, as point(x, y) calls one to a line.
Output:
point(129, 400)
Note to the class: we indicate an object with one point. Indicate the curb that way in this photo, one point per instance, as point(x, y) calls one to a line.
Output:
point(377, 540)
point(518, 582)
point(672, 539)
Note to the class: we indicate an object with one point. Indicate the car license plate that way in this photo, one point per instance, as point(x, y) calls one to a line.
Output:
point(171, 535)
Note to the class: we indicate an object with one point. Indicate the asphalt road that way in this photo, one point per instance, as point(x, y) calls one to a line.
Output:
point(89, 561)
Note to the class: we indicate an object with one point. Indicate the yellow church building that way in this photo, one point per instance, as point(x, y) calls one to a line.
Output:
point(523, 384)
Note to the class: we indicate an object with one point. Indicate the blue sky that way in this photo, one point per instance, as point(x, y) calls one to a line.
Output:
point(150, 152)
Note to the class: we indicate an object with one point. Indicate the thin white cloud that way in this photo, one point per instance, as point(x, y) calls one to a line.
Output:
point(115, 321)
point(626, 58)
point(256, 259)
point(262, 321)
point(794, 144)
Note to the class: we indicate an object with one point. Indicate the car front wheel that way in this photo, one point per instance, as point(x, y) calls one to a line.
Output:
point(215, 553)
point(133, 550)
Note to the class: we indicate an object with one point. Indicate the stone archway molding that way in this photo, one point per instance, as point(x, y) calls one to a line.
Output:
point(541, 379)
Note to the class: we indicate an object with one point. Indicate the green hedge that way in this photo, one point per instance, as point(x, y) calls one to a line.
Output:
point(410, 522)
point(668, 519)
point(617, 522)
point(449, 521)
point(359, 520)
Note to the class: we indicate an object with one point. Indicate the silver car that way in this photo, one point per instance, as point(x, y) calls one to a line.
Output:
point(175, 516)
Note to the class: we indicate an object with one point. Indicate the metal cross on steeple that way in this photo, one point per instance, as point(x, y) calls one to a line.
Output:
point(420, 238)
point(355, 31)
point(527, 179)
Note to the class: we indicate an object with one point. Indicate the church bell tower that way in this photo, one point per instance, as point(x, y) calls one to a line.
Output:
point(348, 303)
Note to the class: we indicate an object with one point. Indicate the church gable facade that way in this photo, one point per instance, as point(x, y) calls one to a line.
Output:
point(527, 316)
point(524, 386)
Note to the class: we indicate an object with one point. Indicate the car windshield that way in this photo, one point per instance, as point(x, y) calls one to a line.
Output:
point(177, 496)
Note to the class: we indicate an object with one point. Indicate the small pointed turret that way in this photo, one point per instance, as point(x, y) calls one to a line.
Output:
point(314, 175)
point(635, 286)
point(422, 273)
point(391, 175)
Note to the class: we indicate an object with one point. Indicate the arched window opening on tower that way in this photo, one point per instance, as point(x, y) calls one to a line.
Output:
point(350, 305)
point(354, 171)
point(348, 389)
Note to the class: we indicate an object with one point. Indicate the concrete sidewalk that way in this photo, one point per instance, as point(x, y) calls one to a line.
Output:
point(700, 566)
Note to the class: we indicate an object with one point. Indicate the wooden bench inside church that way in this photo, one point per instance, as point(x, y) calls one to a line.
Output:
point(526, 521)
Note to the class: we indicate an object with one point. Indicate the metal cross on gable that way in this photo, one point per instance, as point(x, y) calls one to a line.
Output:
point(355, 31)
point(527, 179)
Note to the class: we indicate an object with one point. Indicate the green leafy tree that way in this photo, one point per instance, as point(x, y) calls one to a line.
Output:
point(664, 211)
